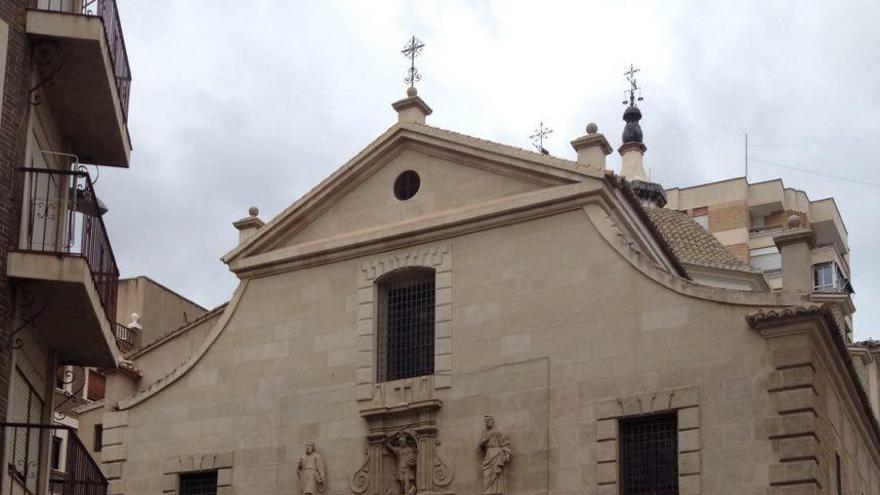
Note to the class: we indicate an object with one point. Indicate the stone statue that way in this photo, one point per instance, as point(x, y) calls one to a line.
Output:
point(496, 446)
point(312, 472)
point(407, 456)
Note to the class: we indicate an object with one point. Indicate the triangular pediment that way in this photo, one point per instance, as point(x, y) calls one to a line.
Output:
point(454, 171)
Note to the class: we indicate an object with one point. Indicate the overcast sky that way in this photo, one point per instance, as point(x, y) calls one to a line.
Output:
point(237, 103)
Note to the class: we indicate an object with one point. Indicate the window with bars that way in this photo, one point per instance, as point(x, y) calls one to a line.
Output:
point(649, 455)
point(405, 324)
point(198, 483)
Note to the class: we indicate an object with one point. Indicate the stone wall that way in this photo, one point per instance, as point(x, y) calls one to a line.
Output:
point(550, 328)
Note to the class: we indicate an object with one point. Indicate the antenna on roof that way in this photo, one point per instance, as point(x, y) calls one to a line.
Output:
point(538, 138)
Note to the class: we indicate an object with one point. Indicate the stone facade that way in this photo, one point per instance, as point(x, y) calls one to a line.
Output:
point(557, 311)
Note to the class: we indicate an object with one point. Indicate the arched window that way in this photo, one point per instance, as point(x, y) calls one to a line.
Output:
point(405, 324)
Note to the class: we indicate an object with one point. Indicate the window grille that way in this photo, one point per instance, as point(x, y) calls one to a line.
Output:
point(649, 453)
point(200, 483)
point(406, 325)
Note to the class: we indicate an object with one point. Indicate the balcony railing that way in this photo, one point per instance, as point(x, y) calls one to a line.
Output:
point(127, 339)
point(62, 215)
point(107, 11)
point(73, 470)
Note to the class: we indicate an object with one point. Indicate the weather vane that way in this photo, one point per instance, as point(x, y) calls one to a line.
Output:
point(411, 50)
point(538, 138)
point(633, 87)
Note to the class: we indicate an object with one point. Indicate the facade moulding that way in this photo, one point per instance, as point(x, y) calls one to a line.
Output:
point(181, 370)
point(804, 341)
point(685, 402)
point(495, 156)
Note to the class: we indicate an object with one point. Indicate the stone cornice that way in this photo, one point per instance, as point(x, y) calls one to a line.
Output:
point(160, 384)
point(428, 228)
point(547, 170)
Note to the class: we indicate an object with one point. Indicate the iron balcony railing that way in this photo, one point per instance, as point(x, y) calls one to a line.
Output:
point(71, 469)
point(127, 339)
point(108, 13)
point(62, 215)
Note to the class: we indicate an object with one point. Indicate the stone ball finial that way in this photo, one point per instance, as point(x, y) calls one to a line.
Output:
point(592, 128)
point(794, 221)
point(134, 323)
point(253, 211)
point(411, 91)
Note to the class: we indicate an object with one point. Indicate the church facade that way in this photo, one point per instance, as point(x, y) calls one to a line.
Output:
point(448, 315)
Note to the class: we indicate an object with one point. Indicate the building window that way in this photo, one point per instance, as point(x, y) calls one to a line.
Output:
point(99, 437)
point(405, 324)
point(827, 277)
point(838, 478)
point(23, 444)
point(199, 483)
point(406, 185)
point(701, 216)
point(766, 259)
point(95, 386)
point(649, 455)
point(57, 443)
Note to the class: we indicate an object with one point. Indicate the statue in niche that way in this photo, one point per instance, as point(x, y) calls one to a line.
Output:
point(496, 447)
point(311, 471)
point(404, 447)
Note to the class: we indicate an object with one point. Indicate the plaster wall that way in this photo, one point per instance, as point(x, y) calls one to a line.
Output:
point(551, 330)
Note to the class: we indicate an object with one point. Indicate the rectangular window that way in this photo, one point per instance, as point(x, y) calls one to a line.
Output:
point(99, 437)
point(23, 444)
point(701, 216)
point(824, 277)
point(57, 443)
point(95, 385)
point(200, 483)
point(766, 259)
point(406, 325)
point(838, 479)
point(649, 455)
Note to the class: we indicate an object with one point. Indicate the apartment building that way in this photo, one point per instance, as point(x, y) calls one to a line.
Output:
point(65, 88)
point(749, 218)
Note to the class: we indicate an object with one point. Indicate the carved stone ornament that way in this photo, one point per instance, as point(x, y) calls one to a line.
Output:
point(497, 455)
point(442, 473)
point(360, 481)
point(403, 461)
point(312, 472)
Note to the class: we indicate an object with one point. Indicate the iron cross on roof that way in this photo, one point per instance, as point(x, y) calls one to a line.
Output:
point(633, 86)
point(411, 50)
point(538, 138)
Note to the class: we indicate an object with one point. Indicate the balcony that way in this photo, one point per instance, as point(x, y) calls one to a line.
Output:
point(127, 338)
point(71, 469)
point(84, 76)
point(65, 260)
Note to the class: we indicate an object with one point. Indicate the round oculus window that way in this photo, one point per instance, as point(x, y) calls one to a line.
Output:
point(406, 185)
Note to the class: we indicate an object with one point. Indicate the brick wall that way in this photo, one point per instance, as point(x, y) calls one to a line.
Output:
point(13, 132)
point(727, 217)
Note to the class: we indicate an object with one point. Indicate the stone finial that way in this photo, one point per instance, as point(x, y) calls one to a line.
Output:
point(135, 323)
point(592, 149)
point(794, 221)
point(248, 225)
point(412, 109)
